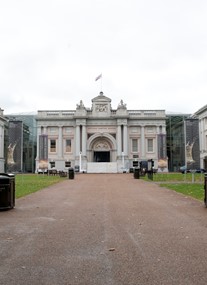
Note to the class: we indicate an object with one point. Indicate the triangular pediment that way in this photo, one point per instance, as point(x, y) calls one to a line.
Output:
point(101, 105)
point(101, 98)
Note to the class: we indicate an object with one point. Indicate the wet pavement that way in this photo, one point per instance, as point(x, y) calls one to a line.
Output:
point(104, 229)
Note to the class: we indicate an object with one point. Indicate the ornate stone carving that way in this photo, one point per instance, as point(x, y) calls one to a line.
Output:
point(10, 155)
point(101, 145)
point(122, 105)
point(80, 106)
point(189, 152)
point(101, 108)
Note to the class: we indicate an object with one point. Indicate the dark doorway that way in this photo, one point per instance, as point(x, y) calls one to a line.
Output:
point(101, 156)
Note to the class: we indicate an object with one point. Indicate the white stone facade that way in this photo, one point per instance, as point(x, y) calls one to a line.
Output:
point(201, 114)
point(100, 139)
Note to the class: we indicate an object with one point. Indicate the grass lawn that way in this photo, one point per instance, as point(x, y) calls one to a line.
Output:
point(187, 184)
point(28, 183)
point(178, 177)
point(194, 190)
point(182, 183)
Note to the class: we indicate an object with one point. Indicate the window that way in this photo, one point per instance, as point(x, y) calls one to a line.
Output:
point(67, 145)
point(52, 164)
point(52, 145)
point(67, 163)
point(150, 145)
point(135, 163)
point(160, 129)
point(134, 145)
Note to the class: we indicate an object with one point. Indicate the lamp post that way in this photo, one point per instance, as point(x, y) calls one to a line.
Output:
point(122, 159)
point(80, 161)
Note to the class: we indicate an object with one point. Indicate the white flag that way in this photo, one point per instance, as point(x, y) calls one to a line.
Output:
point(98, 77)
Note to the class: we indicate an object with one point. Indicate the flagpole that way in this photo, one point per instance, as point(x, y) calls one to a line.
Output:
point(99, 77)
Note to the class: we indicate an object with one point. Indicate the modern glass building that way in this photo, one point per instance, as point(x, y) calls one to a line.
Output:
point(22, 143)
point(182, 142)
point(3, 139)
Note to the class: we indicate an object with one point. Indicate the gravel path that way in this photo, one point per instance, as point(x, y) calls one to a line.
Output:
point(104, 229)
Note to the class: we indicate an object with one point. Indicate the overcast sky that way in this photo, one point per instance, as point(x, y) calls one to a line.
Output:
point(152, 54)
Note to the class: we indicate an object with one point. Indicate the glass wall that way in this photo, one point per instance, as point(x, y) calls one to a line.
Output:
point(22, 143)
point(175, 128)
point(182, 142)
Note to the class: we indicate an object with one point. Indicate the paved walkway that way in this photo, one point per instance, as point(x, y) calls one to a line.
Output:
point(104, 229)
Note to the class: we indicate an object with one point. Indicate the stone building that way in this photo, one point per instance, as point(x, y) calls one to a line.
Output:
point(201, 114)
point(100, 139)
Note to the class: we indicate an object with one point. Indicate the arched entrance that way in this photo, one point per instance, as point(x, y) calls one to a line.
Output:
point(101, 153)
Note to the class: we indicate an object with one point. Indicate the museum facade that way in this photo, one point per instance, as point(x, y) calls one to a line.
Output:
point(100, 139)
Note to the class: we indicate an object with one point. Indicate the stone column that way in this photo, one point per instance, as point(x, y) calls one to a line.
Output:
point(60, 142)
point(77, 140)
point(118, 140)
point(142, 142)
point(84, 140)
point(125, 140)
point(38, 141)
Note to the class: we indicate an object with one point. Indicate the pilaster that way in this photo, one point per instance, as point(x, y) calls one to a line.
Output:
point(125, 140)
point(142, 142)
point(118, 140)
point(84, 140)
point(38, 141)
point(60, 142)
point(77, 140)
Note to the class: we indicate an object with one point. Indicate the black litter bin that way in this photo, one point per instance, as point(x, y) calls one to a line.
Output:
point(7, 191)
point(136, 173)
point(70, 173)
